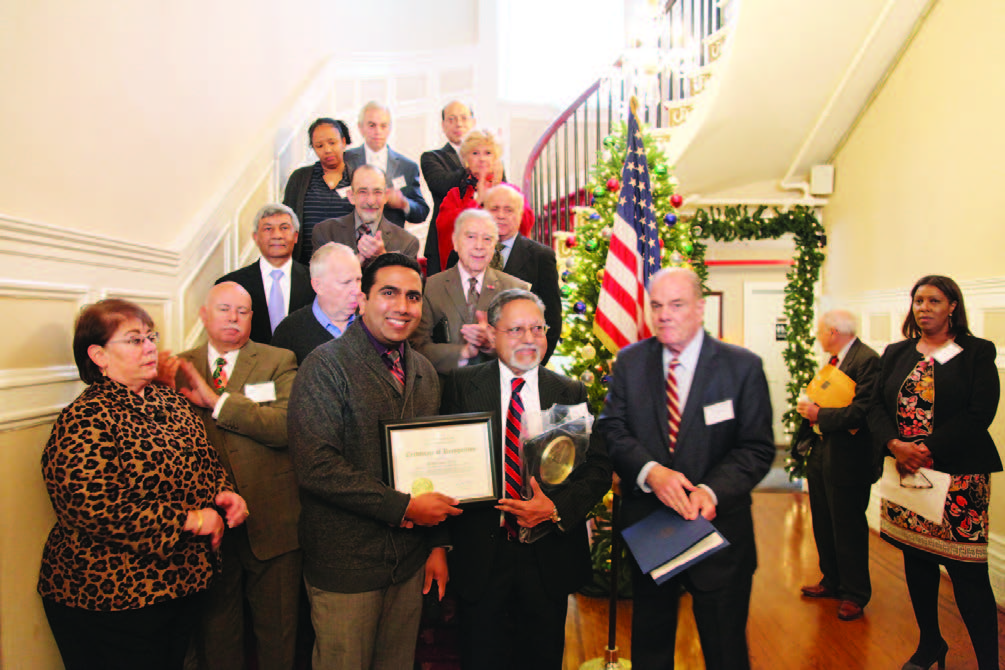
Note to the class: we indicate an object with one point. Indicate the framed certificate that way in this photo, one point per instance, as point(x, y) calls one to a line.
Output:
point(452, 454)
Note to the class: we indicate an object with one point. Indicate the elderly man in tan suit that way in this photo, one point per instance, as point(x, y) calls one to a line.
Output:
point(240, 389)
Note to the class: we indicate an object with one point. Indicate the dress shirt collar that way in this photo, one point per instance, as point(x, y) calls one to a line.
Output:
point(327, 323)
point(529, 394)
point(376, 158)
point(381, 348)
point(844, 352)
point(456, 148)
point(374, 227)
point(230, 357)
point(466, 280)
point(266, 267)
point(688, 357)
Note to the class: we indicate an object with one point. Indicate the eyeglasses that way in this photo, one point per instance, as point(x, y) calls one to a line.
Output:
point(137, 340)
point(518, 332)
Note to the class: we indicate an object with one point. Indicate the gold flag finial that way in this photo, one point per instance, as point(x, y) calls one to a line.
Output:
point(633, 105)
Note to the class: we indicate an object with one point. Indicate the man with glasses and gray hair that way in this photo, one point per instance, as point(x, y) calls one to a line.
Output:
point(498, 579)
point(454, 330)
point(277, 284)
point(367, 230)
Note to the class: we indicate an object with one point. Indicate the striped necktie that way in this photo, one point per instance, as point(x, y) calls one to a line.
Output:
point(396, 369)
point(513, 478)
point(473, 296)
point(673, 403)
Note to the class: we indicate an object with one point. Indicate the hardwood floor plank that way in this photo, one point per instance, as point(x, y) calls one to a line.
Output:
point(787, 631)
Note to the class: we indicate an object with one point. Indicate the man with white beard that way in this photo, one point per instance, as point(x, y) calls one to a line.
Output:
point(498, 579)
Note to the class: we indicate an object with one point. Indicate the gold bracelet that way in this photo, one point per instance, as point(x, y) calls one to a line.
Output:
point(199, 529)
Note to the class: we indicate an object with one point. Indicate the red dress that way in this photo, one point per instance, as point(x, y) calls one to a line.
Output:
point(459, 199)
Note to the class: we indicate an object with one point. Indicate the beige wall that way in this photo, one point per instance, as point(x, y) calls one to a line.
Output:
point(918, 191)
point(918, 184)
point(124, 118)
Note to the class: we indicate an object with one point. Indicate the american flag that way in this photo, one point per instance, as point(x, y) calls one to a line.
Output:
point(634, 254)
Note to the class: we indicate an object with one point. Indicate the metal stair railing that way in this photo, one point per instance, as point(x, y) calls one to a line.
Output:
point(559, 165)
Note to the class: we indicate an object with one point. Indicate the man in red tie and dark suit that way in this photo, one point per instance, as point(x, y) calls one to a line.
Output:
point(840, 470)
point(706, 461)
point(513, 596)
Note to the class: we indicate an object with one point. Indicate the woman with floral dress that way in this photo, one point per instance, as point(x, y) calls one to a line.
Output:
point(933, 402)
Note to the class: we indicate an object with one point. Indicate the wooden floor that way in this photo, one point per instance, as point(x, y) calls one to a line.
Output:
point(785, 630)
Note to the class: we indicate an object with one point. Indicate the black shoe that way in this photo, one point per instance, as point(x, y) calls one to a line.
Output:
point(919, 662)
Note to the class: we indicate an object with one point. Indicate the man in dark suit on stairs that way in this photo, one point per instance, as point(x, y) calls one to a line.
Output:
point(442, 169)
point(277, 284)
point(501, 583)
point(687, 422)
point(840, 470)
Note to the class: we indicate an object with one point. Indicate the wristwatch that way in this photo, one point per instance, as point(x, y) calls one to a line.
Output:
point(555, 518)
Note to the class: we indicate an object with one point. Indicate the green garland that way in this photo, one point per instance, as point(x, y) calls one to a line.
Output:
point(737, 223)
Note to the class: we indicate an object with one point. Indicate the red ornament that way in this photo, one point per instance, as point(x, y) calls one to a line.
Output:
point(570, 241)
point(676, 200)
point(613, 184)
point(661, 243)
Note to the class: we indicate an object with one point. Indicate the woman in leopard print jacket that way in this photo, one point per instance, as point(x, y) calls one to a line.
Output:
point(138, 494)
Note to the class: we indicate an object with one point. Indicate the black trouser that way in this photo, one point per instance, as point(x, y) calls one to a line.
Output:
point(155, 637)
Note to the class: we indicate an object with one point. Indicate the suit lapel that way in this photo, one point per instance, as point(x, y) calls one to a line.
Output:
point(550, 387)
point(392, 166)
point(657, 389)
point(246, 361)
point(517, 257)
point(452, 158)
point(452, 285)
point(490, 287)
point(700, 380)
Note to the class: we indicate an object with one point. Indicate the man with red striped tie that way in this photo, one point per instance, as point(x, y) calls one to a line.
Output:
point(512, 597)
point(687, 422)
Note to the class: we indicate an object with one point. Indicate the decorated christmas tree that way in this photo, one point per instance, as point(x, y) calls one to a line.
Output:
point(587, 359)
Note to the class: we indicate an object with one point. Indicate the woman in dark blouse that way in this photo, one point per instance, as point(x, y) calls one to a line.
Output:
point(933, 402)
point(320, 191)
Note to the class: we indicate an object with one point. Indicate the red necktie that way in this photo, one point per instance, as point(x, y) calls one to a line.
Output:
point(833, 361)
point(673, 403)
point(511, 462)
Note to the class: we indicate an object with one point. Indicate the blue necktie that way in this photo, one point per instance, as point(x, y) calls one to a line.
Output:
point(277, 310)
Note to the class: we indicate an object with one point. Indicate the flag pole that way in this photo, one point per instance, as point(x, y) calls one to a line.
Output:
point(610, 661)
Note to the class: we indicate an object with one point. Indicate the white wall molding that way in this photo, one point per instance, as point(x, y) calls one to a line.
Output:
point(15, 288)
point(48, 242)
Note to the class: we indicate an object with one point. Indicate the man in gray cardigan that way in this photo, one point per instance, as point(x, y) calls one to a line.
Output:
point(369, 550)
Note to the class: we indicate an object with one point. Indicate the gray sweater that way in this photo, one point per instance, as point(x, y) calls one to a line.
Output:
point(349, 521)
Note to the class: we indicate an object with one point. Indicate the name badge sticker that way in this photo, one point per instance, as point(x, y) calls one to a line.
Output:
point(719, 412)
point(946, 352)
point(398, 182)
point(263, 392)
point(343, 192)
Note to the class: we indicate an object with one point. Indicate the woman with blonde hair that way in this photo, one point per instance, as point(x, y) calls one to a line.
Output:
point(481, 155)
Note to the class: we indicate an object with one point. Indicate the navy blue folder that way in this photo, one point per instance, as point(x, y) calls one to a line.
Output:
point(665, 543)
